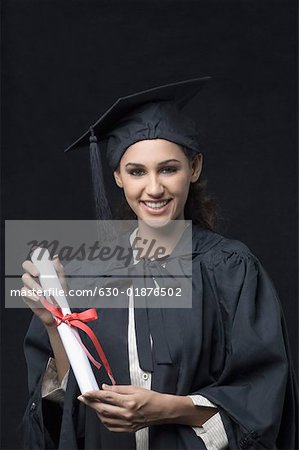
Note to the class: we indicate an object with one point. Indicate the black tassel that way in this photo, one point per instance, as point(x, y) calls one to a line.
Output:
point(103, 211)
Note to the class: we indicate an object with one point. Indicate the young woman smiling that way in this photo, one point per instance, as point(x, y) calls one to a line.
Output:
point(215, 374)
point(156, 175)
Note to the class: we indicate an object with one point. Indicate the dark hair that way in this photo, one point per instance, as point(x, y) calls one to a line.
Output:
point(201, 208)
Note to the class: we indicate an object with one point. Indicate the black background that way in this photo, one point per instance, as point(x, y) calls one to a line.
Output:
point(65, 62)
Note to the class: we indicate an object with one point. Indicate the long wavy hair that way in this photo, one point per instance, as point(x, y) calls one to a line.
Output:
point(201, 208)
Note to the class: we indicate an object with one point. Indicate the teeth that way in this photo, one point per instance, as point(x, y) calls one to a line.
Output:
point(156, 205)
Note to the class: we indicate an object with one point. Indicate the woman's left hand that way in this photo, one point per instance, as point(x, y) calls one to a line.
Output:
point(128, 408)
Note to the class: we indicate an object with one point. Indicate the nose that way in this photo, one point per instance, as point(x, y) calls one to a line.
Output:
point(154, 187)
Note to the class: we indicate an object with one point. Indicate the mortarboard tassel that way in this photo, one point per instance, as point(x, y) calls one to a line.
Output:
point(103, 210)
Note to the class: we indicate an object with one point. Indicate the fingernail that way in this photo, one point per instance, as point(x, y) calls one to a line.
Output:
point(105, 386)
point(81, 398)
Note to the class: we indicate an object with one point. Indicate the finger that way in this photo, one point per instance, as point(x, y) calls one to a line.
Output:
point(118, 430)
point(58, 266)
point(92, 394)
point(29, 267)
point(31, 299)
point(120, 389)
point(104, 409)
point(115, 423)
point(29, 296)
point(117, 426)
point(30, 283)
point(112, 398)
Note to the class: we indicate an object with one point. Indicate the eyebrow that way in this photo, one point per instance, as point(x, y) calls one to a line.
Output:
point(167, 161)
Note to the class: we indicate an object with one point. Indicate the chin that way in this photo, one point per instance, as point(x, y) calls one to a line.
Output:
point(156, 222)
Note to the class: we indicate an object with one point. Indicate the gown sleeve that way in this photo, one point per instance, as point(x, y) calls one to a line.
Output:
point(42, 418)
point(255, 393)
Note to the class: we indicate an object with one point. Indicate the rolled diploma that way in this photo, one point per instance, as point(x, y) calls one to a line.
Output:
point(78, 360)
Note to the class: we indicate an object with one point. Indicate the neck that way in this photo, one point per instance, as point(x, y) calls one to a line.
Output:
point(156, 242)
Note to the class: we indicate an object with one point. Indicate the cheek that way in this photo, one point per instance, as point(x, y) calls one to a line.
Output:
point(179, 185)
point(181, 190)
point(131, 186)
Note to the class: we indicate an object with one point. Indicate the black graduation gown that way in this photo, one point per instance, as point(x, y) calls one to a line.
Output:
point(231, 347)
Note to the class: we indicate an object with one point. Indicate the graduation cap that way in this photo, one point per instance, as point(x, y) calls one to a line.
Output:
point(151, 114)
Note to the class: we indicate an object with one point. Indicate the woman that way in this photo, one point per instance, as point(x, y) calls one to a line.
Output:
point(212, 374)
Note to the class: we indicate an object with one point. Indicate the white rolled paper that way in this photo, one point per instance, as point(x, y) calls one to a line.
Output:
point(70, 337)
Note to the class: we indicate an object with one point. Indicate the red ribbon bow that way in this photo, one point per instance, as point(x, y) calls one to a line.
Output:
point(77, 320)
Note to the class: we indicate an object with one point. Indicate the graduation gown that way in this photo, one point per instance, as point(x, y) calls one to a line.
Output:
point(231, 347)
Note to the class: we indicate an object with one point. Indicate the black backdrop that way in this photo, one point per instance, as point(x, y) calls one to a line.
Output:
point(65, 62)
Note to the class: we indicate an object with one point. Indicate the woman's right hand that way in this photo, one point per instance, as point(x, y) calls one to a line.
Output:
point(30, 280)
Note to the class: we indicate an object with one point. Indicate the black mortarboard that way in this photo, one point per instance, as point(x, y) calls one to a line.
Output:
point(150, 114)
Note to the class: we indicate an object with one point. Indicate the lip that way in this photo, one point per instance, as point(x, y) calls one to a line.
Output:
point(153, 211)
point(156, 201)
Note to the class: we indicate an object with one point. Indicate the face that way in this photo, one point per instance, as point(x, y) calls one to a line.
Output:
point(155, 176)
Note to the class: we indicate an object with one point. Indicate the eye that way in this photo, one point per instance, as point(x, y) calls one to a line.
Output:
point(136, 172)
point(169, 169)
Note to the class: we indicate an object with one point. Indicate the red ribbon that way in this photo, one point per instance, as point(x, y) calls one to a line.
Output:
point(77, 320)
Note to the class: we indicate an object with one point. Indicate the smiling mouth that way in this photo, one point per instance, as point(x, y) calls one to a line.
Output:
point(157, 204)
